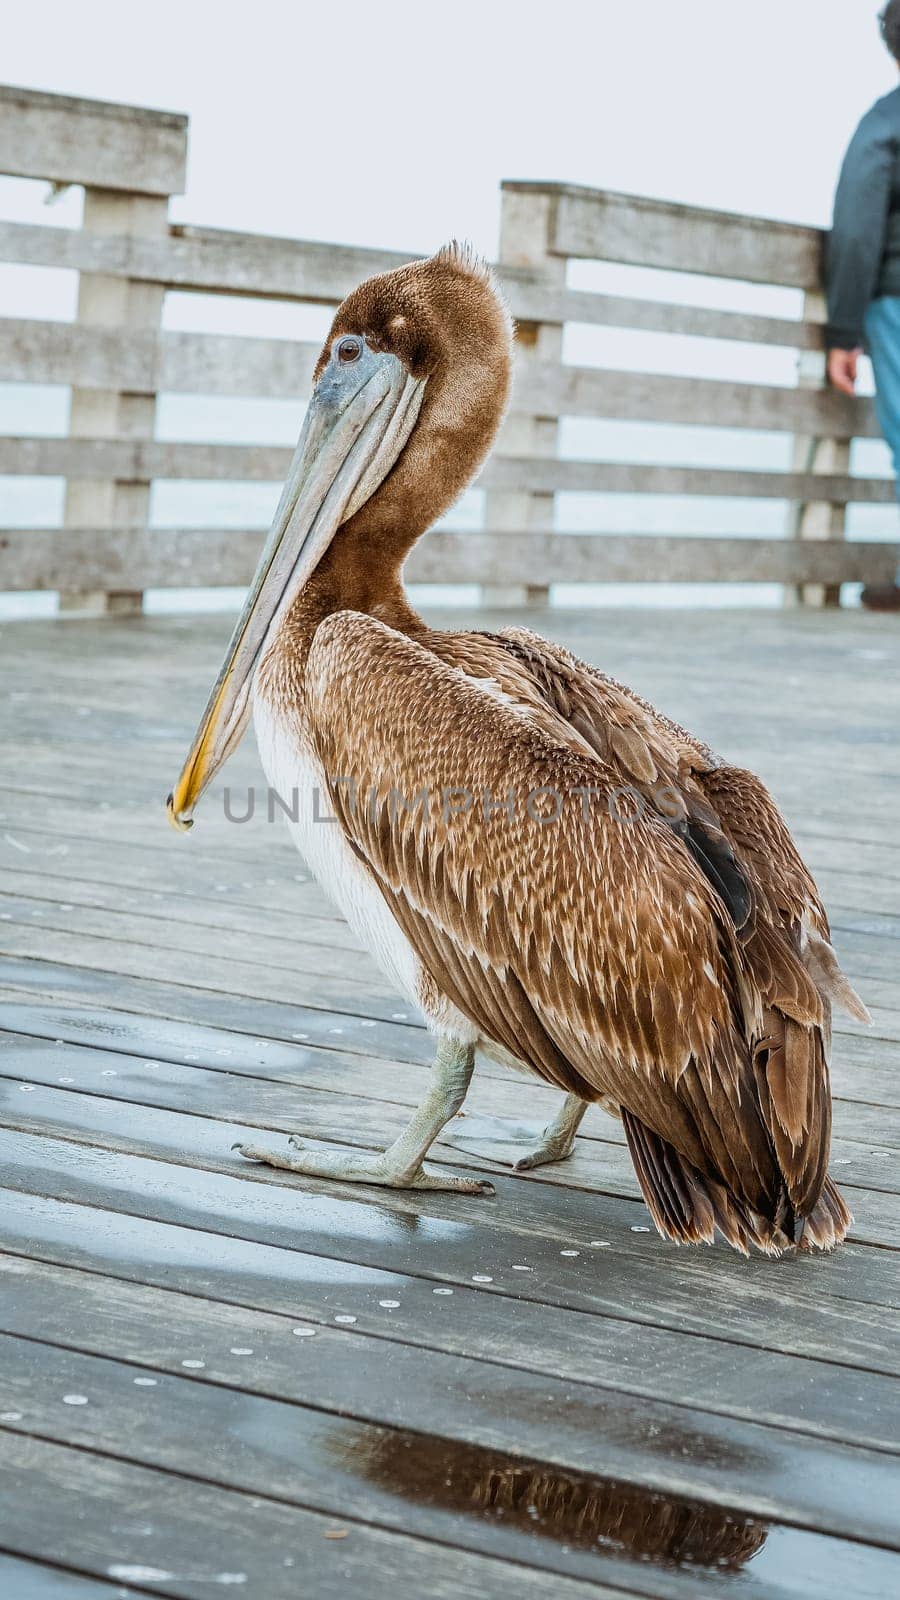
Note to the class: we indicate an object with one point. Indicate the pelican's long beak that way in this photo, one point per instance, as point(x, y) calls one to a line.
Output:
point(358, 421)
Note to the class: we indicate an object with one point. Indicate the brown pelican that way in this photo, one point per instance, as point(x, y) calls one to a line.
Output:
point(548, 868)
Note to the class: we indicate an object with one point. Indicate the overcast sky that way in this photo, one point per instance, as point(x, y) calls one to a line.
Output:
point(392, 121)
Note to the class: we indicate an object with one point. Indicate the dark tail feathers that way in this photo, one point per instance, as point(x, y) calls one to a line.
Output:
point(688, 1207)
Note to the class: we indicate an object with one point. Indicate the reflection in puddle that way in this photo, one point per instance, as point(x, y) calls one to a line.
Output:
point(581, 1511)
point(646, 1526)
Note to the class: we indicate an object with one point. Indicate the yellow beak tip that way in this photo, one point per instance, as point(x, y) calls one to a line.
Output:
point(179, 823)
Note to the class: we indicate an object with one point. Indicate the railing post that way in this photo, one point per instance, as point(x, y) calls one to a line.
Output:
point(526, 218)
point(819, 519)
point(124, 304)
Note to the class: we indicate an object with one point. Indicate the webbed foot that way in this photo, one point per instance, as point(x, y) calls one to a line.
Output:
point(354, 1166)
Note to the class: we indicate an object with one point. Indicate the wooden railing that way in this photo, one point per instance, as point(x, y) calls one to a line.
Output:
point(117, 360)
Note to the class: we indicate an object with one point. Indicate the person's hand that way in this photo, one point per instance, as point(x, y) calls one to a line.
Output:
point(842, 369)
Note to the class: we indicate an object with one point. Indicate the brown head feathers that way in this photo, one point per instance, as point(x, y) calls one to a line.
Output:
point(446, 320)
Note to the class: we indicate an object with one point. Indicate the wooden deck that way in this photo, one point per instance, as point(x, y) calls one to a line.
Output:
point(524, 1396)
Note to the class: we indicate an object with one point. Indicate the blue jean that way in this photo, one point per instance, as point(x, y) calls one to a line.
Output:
point(883, 344)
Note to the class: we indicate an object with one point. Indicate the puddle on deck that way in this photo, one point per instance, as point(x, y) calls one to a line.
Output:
point(581, 1512)
point(599, 1526)
point(596, 1527)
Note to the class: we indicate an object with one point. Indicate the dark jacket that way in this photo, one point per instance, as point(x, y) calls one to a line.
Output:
point(863, 258)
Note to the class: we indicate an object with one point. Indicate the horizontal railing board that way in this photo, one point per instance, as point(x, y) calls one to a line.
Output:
point(310, 272)
point(170, 557)
point(92, 142)
point(32, 351)
point(600, 224)
point(210, 363)
point(658, 316)
point(609, 477)
point(139, 460)
point(604, 394)
point(624, 558)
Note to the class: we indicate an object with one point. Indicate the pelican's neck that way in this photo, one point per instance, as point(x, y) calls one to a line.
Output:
point(345, 580)
point(362, 568)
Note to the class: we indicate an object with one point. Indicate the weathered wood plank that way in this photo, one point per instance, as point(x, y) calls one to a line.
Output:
point(207, 259)
point(251, 878)
point(399, 1385)
point(602, 477)
point(613, 558)
point(141, 1234)
point(139, 459)
point(349, 1030)
point(94, 142)
point(170, 557)
point(276, 949)
point(843, 745)
point(599, 392)
point(386, 1474)
point(604, 225)
point(32, 351)
point(840, 1308)
point(518, 1223)
point(385, 1095)
point(130, 885)
point(675, 674)
point(327, 1466)
point(204, 1536)
point(128, 307)
point(58, 352)
point(34, 785)
point(863, 1069)
point(866, 765)
point(243, 862)
point(650, 316)
point(43, 893)
point(31, 1580)
point(218, 262)
point(336, 990)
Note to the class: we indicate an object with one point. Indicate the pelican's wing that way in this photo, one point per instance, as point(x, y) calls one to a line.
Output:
point(591, 946)
point(741, 804)
point(786, 941)
point(788, 908)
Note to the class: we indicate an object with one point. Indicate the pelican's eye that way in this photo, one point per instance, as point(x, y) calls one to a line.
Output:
point(349, 349)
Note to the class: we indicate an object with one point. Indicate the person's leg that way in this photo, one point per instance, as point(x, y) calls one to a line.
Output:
point(883, 344)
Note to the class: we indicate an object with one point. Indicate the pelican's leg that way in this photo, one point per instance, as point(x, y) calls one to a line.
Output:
point(496, 1139)
point(558, 1138)
point(400, 1166)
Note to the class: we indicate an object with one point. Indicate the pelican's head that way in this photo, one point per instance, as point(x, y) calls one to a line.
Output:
point(409, 391)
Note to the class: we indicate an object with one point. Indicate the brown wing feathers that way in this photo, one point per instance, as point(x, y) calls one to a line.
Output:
point(646, 962)
point(749, 855)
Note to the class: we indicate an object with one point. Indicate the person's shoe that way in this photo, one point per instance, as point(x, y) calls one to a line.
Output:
point(881, 597)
